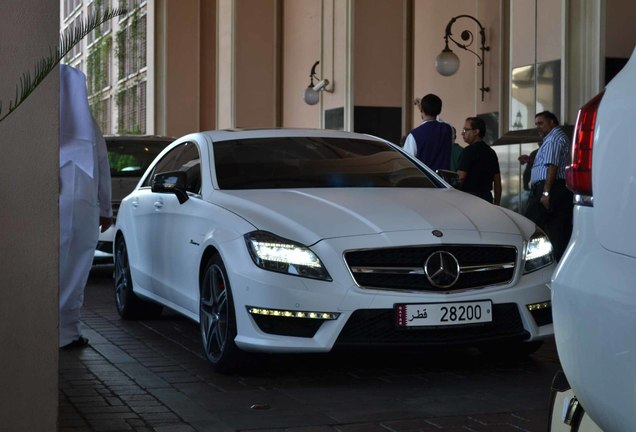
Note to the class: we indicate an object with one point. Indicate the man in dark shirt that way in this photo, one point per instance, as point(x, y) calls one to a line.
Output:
point(478, 172)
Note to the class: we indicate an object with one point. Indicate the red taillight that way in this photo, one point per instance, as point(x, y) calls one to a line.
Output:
point(579, 174)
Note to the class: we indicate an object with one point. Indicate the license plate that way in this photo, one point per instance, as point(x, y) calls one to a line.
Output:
point(443, 314)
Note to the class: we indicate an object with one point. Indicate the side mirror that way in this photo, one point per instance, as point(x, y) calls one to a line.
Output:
point(173, 182)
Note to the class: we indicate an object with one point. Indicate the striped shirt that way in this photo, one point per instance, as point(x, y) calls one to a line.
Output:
point(555, 150)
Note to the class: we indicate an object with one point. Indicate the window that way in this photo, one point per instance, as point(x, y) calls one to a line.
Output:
point(132, 109)
point(189, 161)
point(98, 6)
point(535, 57)
point(70, 6)
point(184, 157)
point(131, 43)
point(77, 49)
point(98, 64)
point(313, 162)
point(131, 157)
point(101, 109)
point(130, 5)
point(131, 72)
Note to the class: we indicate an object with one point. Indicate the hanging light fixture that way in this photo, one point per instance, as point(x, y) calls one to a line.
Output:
point(312, 92)
point(447, 61)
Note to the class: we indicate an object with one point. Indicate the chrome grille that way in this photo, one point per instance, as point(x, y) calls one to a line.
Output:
point(403, 268)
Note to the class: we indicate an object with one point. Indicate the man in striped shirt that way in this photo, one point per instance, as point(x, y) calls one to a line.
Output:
point(550, 202)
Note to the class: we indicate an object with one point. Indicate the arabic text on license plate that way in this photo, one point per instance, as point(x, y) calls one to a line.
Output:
point(443, 314)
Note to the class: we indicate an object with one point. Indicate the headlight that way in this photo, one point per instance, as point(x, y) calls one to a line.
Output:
point(538, 252)
point(277, 254)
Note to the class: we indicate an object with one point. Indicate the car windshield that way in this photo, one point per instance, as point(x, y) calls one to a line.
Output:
point(130, 158)
point(314, 162)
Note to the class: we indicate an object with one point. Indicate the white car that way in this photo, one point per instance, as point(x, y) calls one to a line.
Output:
point(293, 241)
point(594, 286)
point(128, 156)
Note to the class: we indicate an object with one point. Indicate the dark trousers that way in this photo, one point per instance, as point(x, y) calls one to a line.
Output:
point(555, 221)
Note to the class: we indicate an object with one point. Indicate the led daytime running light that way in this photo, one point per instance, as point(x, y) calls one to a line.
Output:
point(293, 314)
point(539, 306)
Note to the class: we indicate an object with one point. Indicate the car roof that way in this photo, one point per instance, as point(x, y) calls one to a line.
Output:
point(234, 134)
point(137, 138)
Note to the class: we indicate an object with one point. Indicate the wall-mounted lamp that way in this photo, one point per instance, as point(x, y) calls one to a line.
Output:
point(312, 92)
point(447, 61)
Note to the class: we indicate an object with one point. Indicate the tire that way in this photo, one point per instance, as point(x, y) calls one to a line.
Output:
point(217, 318)
point(129, 306)
point(511, 350)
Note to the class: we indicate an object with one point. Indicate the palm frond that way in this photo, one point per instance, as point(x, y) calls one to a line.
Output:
point(44, 66)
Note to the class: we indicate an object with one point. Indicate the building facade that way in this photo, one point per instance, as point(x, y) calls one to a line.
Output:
point(171, 67)
point(114, 59)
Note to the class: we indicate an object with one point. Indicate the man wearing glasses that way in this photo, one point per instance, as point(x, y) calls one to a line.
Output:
point(478, 171)
point(550, 202)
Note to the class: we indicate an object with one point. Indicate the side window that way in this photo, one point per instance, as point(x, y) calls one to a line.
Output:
point(190, 161)
point(167, 163)
point(184, 157)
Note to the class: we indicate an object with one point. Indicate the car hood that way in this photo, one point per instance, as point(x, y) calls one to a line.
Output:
point(309, 215)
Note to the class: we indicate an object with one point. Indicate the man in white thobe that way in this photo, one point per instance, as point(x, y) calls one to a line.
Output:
point(85, 200)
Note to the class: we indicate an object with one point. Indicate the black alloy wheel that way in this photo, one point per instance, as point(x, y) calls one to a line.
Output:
point(217, 319)
point(129, 306)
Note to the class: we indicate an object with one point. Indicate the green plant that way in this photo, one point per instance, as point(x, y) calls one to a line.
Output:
point(44, 66)
point(96, 65)
point(126, 44)
point(131, 54)
point(120, 161)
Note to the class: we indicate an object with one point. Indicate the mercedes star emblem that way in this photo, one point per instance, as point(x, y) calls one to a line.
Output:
point(442, 269)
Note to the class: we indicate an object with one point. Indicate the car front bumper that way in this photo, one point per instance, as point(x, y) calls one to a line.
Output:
point(366, 316)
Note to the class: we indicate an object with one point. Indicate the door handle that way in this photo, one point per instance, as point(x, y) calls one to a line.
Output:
point(158, 204)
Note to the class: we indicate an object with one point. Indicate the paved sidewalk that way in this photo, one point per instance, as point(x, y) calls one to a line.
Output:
point(150, 376)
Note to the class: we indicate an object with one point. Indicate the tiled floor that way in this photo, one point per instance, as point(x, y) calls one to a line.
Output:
point(151, 376)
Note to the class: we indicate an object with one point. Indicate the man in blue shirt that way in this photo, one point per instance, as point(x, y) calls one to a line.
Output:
point(550, 202)
point(431, 141)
